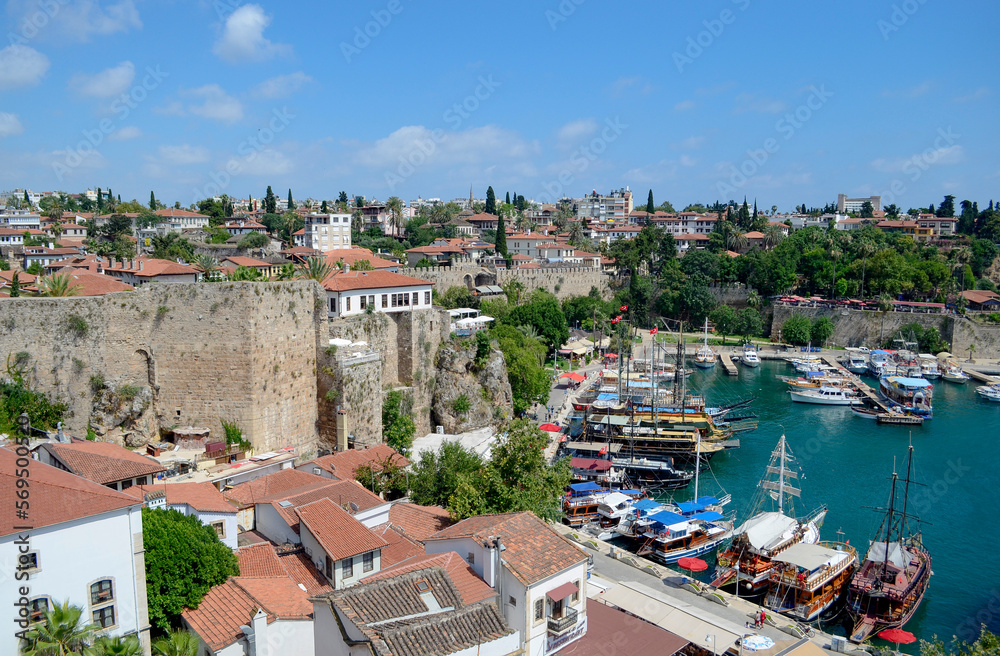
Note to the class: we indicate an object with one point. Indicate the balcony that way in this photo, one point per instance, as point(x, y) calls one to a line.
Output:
point(561, 625)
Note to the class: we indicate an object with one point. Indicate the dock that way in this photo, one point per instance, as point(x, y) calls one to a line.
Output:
point(727, 364)
point(866, 391)
point(978, 375)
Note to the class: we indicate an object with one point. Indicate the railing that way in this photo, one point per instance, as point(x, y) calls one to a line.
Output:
point(565, 623)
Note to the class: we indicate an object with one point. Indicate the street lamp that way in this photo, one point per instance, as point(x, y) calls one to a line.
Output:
point(712, 638)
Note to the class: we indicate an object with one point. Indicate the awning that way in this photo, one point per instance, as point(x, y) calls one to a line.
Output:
point(585, 487)
point(591, 464)
point(810, 557)
point(563, 591)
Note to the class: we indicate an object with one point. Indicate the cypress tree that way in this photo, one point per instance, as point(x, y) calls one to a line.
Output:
point(270, 203)
point(291, 205)
point(491, 201)
point(501, 243)
point(650, 207)
point(100, 199)
point(152, 201)
point(323, 207)
point(27, 201)
point(15, 285)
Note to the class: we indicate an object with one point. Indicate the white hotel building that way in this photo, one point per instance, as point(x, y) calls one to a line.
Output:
point(325, 232)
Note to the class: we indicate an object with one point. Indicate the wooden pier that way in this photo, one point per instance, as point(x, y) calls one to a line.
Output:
point(727, 364)
point(978, 375)
point(866, 391)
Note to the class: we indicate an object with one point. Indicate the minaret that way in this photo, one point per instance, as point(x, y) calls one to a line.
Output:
point(471, 200)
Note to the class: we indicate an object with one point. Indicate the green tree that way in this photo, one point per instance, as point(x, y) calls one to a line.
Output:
point(177, 643)
point(395, 206)
point(172, 246)
point(15, 285)
point(184, 559)
point(524, 357)
point(437, 475)
point(253, 240)
point(59, 285)
point(725, 320)
point(491, 202)
point(152, 201)
point(501, 243)
point(117, 646)
point(749, 324)
point(457, 296)
point(398, 427)
point(988, 644)
point(62, 632)
point(324, 208)
point(545, 314)
point(314, 268)
point(208, 265)
point(342, 198)
point(947, 207)
point(291, 205)
point(796, 330)
point(650, 205)
point(246, 274)
point(821, 330)
point(867, 210)
point(270, 202)
point(286, 272)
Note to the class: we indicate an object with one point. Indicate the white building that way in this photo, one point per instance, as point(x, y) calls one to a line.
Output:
point(542, 578)
point(199, 499)
point(104, 463)
point(20, 219)
point(179, 220)
point(342, 548)
point(276, 519)
point(847, 205)
point(85, 547)
point(354, 292)
point(327, 231)
point(616, 206)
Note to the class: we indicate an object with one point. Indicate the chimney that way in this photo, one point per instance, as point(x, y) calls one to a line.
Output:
point(347, 267)
point(141, 263)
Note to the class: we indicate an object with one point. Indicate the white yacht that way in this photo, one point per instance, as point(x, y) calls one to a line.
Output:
point(989, 392)
point(825, 395)
point(750, 357)
point(704, 357)
point(954, 374)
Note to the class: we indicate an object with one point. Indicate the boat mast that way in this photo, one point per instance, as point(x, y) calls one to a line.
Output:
point(697, 461)
point(781, 477)
point(906, 494)
point(888, 528)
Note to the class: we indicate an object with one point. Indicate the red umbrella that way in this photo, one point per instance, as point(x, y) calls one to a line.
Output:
point(899, 636)
point(693, 564)
point(572, 375)
point(551, 428)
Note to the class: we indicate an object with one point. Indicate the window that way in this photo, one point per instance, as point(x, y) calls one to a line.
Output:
point(427, 298)
point(576, 595)
point(539, 610)
point(105, 617)
point(368, 561)
point(348, 568)
point(511, 600)
point(371, 300)
point(126, 484)
point(328, 570)
point(37, 609)
point(220, 529)
point(347, 304)
point(28, 560)
point(363, 302)
point(333, 305)
point(141, 480)
point(471, 558)
point(385, 300)
point(101, 592)
point(406, 299)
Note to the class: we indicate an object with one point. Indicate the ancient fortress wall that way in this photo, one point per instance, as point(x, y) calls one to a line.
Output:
point(244, 352)
point(563, 282)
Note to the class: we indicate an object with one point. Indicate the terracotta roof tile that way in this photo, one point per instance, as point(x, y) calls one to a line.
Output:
point(203, 497)
point(471, 588)
point(92, 284)
point(170, 211)
point(286, 481)
point(399, 546)
point(102, 462)
point(534, 551)
point(301, 570)
point(344, 464)
point(612, 631)
point(341, 493)
point(352, 280)
point(57, 496)
point(259, 561)
point(418, 522)
point(247, 262)
point(340, 535)
point(352, 255)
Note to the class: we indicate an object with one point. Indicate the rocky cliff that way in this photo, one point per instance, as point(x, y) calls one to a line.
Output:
point(470, 395)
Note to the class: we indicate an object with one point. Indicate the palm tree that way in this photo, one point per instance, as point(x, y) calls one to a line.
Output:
point(961, 257)
point(246, 274)
point(286, 272)
point(835, 254)
point(178, 643)
point(61, 632)
point(395, 207)
point(315, 268)
point(772, 237)
point(117, 646)
point(865, 249)
point(208, 265)
point(736, 241)
point(59, 285)
point(362, 265)
point(754, 300)
point(972, 349)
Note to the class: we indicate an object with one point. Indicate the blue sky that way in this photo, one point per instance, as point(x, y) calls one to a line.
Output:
point(785, 102)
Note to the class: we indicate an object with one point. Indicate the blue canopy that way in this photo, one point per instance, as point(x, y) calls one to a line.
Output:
point(688, 507)
point(709, 516)
point(631, 492)
point(668, 518)
point(646, 504)
point(585, 487)
point(910, 382)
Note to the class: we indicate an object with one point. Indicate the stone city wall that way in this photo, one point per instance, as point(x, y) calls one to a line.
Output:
point(570, 281)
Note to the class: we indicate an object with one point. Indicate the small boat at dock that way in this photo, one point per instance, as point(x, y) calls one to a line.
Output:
point(750, 357)
point(989, 392)
point(825, 395)
point(954, 374)
point(908, 395)
point(705, 356)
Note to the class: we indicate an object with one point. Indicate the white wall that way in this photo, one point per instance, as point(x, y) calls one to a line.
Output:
point(355, 296)
point(250, 474)
point(537, 633)
point(209, 518)
point(374, 516)
point(72, 556)
point(273, 525)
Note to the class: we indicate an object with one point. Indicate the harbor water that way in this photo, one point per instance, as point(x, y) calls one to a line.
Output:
point(847, 462)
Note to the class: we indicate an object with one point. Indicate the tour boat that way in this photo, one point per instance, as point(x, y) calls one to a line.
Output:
point(892, 580)
point(989, 392)
point(704, 357)
point(581, 502)
point(908, 395)
point(825, 395)
point(878, 363)
point(750, 357)
point(954, 374)
point(929, 367)
point(748, 561)
point(856, 363)
point(808, 578)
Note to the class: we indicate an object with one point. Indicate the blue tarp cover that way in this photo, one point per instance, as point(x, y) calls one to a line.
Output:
point(709, 516)
point(688, 507)
point(909, 382)
point(645, 504)
point(668, 518)
point(585, 487)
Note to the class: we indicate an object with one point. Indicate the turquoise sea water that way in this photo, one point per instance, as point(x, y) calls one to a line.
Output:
point(848, 461)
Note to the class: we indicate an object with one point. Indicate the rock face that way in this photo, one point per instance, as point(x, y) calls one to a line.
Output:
point(467, 396)
point(124, 414)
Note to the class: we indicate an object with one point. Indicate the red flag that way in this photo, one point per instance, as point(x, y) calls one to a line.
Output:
point(623, 308)
point(653, 331)
point(603, 451)
point(616, 320)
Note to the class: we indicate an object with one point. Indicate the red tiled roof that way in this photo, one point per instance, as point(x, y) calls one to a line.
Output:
point(247, 262)
point(353, 280)
point(170, 211)
point(399, 546)
point(754, 234)
point(103, 462)
point(341, 493)
point(482, 217)
point(9, 232)
point(151, 267)
point(352, 255)
point(418, 522)
point(345, 463)
point(57, 496)
point(286, 481)
point(979, 296)
point(259, 560)
point(340, 535)
point(92, 284)
point(612, 631)
point(471, 588)
point(534, 551)
point(7, 277)
point(301, 569)
point(203, 497)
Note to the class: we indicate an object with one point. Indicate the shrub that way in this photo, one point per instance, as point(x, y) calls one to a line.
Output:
point(234, 435)
point(161, 311)
point(77, 325)
point(127, 392)
point(97, 383)
point(461, 405)
point(331, 395)
point(331, 349)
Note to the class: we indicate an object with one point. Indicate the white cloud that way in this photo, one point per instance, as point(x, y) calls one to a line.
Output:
point(125, 133)
point(183, 154)
point(218, 105)
point(749, 102)
point(691, 143)
point(978, 94)
point(623, 84)
point(654, 173)
point(921, 89)
point(475, 145)
point(281, 86)
point(266, 162)
point(108, 83)
point(575, 131)
point(947, 156)
point(77, 20)
point(21, 66)
point(685, 105)
point(242, 38)
point(10, 125)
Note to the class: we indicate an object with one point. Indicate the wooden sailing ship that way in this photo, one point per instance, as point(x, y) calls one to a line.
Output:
point(808, 579)
point(892, 580)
